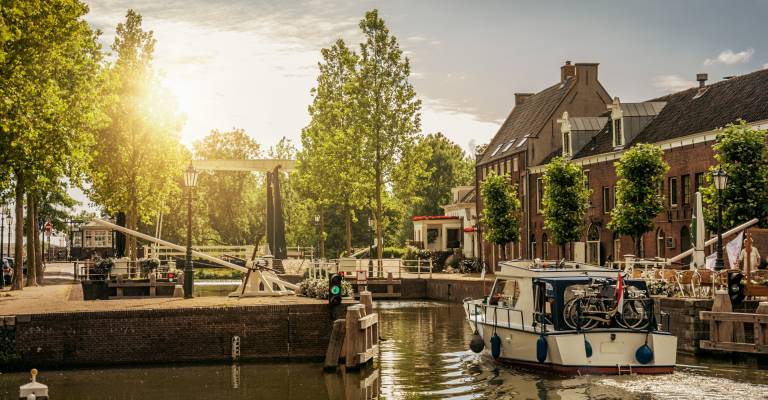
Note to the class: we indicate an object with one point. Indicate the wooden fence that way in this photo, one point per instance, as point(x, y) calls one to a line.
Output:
point(356, 337)
point(728, 331)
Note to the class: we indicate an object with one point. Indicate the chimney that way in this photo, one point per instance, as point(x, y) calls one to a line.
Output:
point(586, 72)
point(567, 71)
point(702, 78)
point(520, 98)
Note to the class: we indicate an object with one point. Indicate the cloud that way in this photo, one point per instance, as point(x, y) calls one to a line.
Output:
point(672, 83)
point(765, 66)
point(728, 57)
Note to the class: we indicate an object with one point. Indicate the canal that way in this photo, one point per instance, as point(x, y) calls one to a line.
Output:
point(423, 356)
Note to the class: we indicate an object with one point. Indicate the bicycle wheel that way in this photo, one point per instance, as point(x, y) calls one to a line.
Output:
point(589, 306)
point(634, 315)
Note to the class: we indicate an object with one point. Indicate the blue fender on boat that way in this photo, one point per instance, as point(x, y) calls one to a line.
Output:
point(541, 349)
point(495, 346)
point(644, 354)
point(476, 344)
point(587, 348)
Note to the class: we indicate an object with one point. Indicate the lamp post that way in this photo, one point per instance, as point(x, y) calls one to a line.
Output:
point(370, 249)
point(720, 179)
point(8, 218)
point(2, 230)
point(319, 235)
point(190, 181)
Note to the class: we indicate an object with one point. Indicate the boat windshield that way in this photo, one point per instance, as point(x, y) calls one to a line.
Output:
point(505, 293)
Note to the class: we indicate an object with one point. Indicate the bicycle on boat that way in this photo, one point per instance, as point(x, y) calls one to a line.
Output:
point(596, 306)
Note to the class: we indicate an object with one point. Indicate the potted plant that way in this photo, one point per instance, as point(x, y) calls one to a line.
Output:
point(96, 288)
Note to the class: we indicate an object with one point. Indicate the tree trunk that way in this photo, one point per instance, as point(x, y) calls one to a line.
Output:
point(18, 246)
point(348, 222)
point(379, 234)
point(132, 224)
point(30, 233)
point(39, 274)
point(504, 252)
point(322, 235)
point(636, 243)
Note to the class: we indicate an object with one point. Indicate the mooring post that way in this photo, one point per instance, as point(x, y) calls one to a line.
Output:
point(335, 343)
point(366, 299)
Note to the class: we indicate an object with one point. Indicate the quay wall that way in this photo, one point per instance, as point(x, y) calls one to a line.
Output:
point(267, 332)
point(452, 290)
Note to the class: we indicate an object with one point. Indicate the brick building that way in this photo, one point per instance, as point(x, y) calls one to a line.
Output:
point(531, 133)
point(685, 125)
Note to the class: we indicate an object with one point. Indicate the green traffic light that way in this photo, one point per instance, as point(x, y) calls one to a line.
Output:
point(335, 290)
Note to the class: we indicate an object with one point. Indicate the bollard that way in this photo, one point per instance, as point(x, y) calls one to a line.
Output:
point(33, 389)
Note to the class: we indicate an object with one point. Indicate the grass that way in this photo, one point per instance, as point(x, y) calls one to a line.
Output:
point(217, 273)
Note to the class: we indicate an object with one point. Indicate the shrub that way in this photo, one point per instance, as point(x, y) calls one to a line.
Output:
point(318, 288)
point(148, 265)
point(103, 267)
point(394, 252)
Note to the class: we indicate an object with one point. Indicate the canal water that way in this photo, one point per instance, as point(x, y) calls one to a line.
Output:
point(423, 356)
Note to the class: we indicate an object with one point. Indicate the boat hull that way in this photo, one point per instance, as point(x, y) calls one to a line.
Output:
point(613, 352)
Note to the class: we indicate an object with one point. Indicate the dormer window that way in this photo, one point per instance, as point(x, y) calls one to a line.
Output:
point(617, 128)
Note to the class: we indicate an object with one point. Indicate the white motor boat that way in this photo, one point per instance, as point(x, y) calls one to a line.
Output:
point(570, 318)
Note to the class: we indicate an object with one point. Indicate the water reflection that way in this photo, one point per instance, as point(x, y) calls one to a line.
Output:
point(423, 356)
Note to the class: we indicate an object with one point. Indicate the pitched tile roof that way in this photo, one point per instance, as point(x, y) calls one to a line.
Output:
point(689, 111)
point(526, 120)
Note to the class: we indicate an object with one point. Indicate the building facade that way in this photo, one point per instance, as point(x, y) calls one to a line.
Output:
point(530, 134)
point(684, 125)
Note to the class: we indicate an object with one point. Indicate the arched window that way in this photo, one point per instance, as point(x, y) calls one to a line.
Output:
point(533, 246)
point(544, 247)
point(660, 237)
point(593, 245)
point(616, 247)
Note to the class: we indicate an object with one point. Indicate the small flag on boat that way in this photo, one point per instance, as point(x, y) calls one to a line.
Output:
point(620, 293)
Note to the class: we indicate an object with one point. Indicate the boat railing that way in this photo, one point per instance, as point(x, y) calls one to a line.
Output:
point(484, 308)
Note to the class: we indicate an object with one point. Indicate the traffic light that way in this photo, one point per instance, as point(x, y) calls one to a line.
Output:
point(736, 288)
point(334, 289)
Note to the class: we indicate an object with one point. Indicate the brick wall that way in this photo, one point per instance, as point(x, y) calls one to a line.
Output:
point(268, 332)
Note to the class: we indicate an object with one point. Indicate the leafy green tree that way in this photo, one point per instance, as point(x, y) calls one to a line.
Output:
point(741, 152)
point(49, 76)
point(501, 211)
point(331, 163)
point(387, 112)
point(565, 202)
point(138, 157)
point(641, 172)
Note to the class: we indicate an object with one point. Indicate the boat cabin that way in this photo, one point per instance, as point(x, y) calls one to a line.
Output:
point(539, 292)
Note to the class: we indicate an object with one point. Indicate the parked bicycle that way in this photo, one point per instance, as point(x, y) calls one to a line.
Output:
point(597, 305)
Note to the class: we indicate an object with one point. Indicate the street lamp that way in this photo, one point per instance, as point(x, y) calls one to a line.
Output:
point(370, 249)
point(8, 217)
point(319, 235)
point(720, 179)
point(2, 230)
point(190, 181)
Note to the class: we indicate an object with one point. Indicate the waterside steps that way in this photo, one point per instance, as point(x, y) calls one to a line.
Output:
point(354, 338)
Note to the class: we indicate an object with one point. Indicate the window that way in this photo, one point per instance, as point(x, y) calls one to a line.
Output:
point(508, 165)
point(533, 246)
point(673, 192)
point(507, 146)
point(618, 136)
point(432, 235)
point(514, 164)
point(544, 247)
point(507, 291)
point(566, 144)
point(607, 199)
point(593, 245)
point(699, 180)
point(453, 238)
point(497, 150)
point(616, 247)
point(686, 186)
point(539, 194)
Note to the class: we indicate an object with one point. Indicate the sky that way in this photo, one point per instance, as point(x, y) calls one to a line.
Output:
point(251, 64)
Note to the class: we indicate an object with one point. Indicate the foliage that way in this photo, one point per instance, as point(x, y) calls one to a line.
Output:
point(501, 211)
point(387, 112)
point(742, 154)
point(660, 287)
point(138, 158)
point(565, 201)
point(471, 264)
point(148, 265)
point(217, 273)
point(641, 172)
point(103, 267)
point(318, 288)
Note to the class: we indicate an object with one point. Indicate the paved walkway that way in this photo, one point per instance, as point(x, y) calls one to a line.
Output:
point(61, 293)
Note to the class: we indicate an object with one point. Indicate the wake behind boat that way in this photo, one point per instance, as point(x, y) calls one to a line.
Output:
point(571, 318)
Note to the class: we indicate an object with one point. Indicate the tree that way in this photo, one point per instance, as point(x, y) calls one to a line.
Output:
point(49, 75)
point(446, 166)
point(138, 157)
point(741, 152)
point(641, 172)
point(331, 163)
point(565, 202)
point(501, 210)
point(386, 108)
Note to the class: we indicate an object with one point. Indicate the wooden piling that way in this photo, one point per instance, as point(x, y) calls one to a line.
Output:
point(722, 303)
point(333, 352)
point(366, 299)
